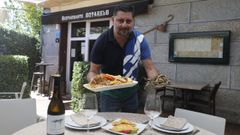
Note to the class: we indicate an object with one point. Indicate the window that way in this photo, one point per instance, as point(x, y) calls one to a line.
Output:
point(78, 29)
point(99, 27)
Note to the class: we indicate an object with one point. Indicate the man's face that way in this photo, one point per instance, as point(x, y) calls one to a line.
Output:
point(123, 23)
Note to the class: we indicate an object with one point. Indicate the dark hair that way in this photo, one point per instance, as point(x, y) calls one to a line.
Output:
point(124, 8)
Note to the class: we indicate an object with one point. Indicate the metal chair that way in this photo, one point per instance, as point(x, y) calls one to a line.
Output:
point(204, 99)
point(34, 83)
point(170, 94)
point(211, 123)
point(18, 95)
point(50, 86)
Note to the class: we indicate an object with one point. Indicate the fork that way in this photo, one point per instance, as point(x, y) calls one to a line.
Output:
point(195, 132)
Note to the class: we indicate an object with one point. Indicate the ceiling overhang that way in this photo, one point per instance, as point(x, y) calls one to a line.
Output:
point(92, 12)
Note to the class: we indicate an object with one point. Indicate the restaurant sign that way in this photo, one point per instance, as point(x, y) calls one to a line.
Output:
point(87, 15)
point(94, 12)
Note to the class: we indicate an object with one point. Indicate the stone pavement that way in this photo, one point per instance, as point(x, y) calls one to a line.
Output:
point(42, 105)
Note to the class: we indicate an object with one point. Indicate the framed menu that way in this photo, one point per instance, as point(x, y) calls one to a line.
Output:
point(200, 47)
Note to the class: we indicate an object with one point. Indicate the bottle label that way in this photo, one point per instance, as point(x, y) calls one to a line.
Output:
point(55, 124)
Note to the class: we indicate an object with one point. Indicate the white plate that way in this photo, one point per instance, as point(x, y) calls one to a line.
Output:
point(159, 121)
point(188, 127)
point(71, 124)
point(140, 127)
point(110, 87)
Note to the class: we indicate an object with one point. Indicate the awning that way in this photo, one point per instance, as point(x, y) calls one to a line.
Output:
point(94, 12)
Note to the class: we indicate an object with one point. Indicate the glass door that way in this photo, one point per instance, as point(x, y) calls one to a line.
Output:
point(76, 53)
point(82, 36)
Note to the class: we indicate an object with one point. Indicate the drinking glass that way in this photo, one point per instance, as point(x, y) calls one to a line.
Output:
point(88, 106)
point(153, 107)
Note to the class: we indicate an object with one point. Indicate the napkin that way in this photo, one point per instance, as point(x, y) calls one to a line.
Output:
point(81, 121)
point(174, 123)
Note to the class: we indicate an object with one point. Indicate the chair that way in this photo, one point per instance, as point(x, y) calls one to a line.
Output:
point(170, 94)
point(205, 99)
point(17, 94)
point(20, 95)
point(16, 114)
point(34, 82)
point(211, 123)
point(51, 84)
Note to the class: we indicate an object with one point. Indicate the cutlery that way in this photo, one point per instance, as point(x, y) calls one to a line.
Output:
point(195, 132)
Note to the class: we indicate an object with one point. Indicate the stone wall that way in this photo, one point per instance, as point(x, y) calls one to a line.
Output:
point(194, 16)
point(50, 49)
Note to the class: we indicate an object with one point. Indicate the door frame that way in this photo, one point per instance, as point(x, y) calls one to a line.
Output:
point(87, 37)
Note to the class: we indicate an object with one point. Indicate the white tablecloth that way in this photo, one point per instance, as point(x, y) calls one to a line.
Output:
point(40, 128)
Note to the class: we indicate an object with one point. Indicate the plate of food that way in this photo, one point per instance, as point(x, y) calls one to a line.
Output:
point(103, 82)
point(124, 127)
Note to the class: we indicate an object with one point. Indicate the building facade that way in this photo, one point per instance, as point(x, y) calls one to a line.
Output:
point(70, 28)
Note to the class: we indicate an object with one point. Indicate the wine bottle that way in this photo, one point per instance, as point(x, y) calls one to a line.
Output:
point(56, 111)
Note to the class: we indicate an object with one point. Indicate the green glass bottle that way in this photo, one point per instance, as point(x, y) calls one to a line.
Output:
point(56, 111)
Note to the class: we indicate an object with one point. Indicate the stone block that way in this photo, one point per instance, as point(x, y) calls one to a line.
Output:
point(150, 36)
point(234, 53)
point(158, 15)
point(163, 37)
point(204, 74)
point(233, 26)
point(235, 77)
point(167, 69)
point(212, 10)
point(228, 105)
point(168, 2)
point(159, 53)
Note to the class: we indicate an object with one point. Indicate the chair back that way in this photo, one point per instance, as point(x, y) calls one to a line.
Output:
point(22, 90)
point(16, 114)
point(214, 91)
point(206, 87)
point(211, 123)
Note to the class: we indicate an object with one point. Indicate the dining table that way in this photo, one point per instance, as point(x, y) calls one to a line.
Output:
point(40, 127)
point(191, 86)
point(185, 88)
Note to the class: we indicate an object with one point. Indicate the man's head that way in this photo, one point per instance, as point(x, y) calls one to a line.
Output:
point(123, 20)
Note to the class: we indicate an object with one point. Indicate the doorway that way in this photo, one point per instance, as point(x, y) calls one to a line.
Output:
point(81, 38)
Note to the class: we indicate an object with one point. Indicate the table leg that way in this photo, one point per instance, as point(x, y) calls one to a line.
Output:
point(44, 74)
point(174, 98)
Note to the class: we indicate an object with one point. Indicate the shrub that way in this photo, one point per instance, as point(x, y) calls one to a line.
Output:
point(13, 43)
point(80, 70)
point(13, 72)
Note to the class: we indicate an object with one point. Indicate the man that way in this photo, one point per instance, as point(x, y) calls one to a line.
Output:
point(118, 51)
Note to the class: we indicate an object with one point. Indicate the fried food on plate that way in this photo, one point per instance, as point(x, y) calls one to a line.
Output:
point(124, 126)
point(107, 79)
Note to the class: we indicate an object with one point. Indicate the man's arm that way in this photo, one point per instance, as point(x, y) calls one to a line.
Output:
point(93, 71)
point(150, 69)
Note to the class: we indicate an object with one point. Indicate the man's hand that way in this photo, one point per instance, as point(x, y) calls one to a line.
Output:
point(93, 71)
